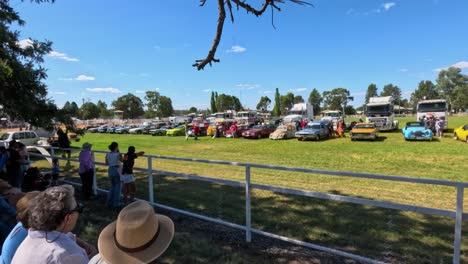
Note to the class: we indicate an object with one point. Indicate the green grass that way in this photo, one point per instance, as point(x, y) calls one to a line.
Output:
point(388, 235)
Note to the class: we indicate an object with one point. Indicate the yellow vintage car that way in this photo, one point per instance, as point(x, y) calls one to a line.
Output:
point(284, 131)
point(461, 133)
point(364, 131)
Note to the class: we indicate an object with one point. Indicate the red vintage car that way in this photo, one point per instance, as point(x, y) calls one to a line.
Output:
point(240, 129)
point(259, 131)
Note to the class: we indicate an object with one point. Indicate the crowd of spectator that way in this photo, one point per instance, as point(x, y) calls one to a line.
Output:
point(37, 226)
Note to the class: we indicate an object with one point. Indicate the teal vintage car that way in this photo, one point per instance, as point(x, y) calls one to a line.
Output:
point(177, 131)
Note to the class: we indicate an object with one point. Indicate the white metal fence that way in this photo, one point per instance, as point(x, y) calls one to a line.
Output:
point(248, 186)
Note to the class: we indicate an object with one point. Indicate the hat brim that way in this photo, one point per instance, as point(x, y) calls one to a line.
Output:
point(112, 254)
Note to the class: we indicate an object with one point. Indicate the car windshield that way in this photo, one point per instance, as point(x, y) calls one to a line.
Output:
point(4, 136)
point(378, 109)
point(312, 127)
point(257, 127)
point(432, 107)
point(284, 128)
point(364, 126)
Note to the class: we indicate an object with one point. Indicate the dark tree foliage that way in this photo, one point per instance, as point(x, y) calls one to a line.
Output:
point(371, 92)
point(277, 108)
point(228, 102)
point(213, 103)
point(131, 105)
point(287, 102)
point(315, 99)
point(263, 104)
point(23, 95)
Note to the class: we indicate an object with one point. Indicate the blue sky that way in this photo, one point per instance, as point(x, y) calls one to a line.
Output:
point(105, 49)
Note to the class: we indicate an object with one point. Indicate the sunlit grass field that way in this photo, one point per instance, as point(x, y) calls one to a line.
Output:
point(388, 235)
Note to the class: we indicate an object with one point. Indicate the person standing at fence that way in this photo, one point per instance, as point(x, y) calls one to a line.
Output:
point(113, 159)
point(64, 143)
point(86, 170)
point(129, 187)
point(13, 165)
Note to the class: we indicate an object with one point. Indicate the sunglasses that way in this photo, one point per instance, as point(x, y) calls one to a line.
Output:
point(79, 208)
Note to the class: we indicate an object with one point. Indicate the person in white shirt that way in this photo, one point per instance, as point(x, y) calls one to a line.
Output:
point(52, 216)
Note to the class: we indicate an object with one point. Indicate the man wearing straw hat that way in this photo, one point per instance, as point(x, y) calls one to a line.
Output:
point(138, 236)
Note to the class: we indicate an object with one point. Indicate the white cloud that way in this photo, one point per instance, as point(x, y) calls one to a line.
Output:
point(140, 91)
point(389, 5)
point(25, 43)
point(267, 92)
point(59, 93)
point(104, 90)
point(298, 90)
point(79, 78)
point(237, 49)
point(85, 78)
point(403, 70)
point(461, 64)
point(61, 56)
point(248, 86)
point(206, 90)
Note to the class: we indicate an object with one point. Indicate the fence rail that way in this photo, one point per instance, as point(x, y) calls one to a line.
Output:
point(458, 214)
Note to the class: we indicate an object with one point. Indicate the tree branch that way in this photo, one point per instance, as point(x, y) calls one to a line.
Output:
point(200, 64)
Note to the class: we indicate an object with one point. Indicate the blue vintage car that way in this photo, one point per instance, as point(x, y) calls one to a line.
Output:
point(314, 130)
point(416, 131)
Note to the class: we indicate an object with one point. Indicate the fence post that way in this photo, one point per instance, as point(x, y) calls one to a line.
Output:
point(150, 179)
point(458, 225)
point(52, 152)
point(94, 174)
point(248, 234)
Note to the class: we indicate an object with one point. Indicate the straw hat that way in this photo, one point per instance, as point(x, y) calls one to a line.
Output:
point(138, 236)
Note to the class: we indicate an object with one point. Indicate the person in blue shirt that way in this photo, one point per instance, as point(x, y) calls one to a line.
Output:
point(20, 231)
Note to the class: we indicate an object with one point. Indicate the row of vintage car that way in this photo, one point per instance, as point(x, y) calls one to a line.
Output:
point(314, 130)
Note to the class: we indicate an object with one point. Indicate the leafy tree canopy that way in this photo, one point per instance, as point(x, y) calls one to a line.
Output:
point(263, 104)
point(23, 95)
point(315, 99)
point(337, 98)
point(131, 105)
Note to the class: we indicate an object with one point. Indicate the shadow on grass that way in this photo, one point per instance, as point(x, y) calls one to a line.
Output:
point(388, 235)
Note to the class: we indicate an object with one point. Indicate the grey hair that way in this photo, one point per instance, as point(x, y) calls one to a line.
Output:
point(48, 209)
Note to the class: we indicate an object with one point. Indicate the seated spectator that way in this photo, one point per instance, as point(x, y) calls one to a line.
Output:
point(138, 236)
point(52, 215)
point(7, 219)
point(20, 231)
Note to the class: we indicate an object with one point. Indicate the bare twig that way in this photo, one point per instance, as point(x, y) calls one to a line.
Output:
point(200, 64)
point(228, 2)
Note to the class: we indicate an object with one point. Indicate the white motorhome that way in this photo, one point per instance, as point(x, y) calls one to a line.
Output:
point(436, 108)
point(178, 119)
point(379, 110)
point(247, 117)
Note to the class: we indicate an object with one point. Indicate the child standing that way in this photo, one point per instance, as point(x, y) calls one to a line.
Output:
point(129, 187)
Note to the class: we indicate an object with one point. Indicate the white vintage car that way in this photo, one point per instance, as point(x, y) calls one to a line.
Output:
point(25, 137)
point(284, 131)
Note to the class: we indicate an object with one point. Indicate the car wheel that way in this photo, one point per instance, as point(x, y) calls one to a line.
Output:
point(455, 136)
point(466, 140)
point(259, 136)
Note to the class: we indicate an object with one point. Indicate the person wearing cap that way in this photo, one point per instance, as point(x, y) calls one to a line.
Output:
point(52, 215)
point(86, 170)
point(139, 235)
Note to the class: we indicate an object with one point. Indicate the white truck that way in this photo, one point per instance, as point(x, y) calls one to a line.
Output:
point(437, 108)
point(332, 116)
point(379, 111)
point(298, 112)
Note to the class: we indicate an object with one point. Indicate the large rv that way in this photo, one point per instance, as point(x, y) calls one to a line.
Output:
point(247, 117)
point(437, 108)
point(379, 111)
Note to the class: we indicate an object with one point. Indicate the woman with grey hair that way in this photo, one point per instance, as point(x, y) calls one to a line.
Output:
point(52, 216)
